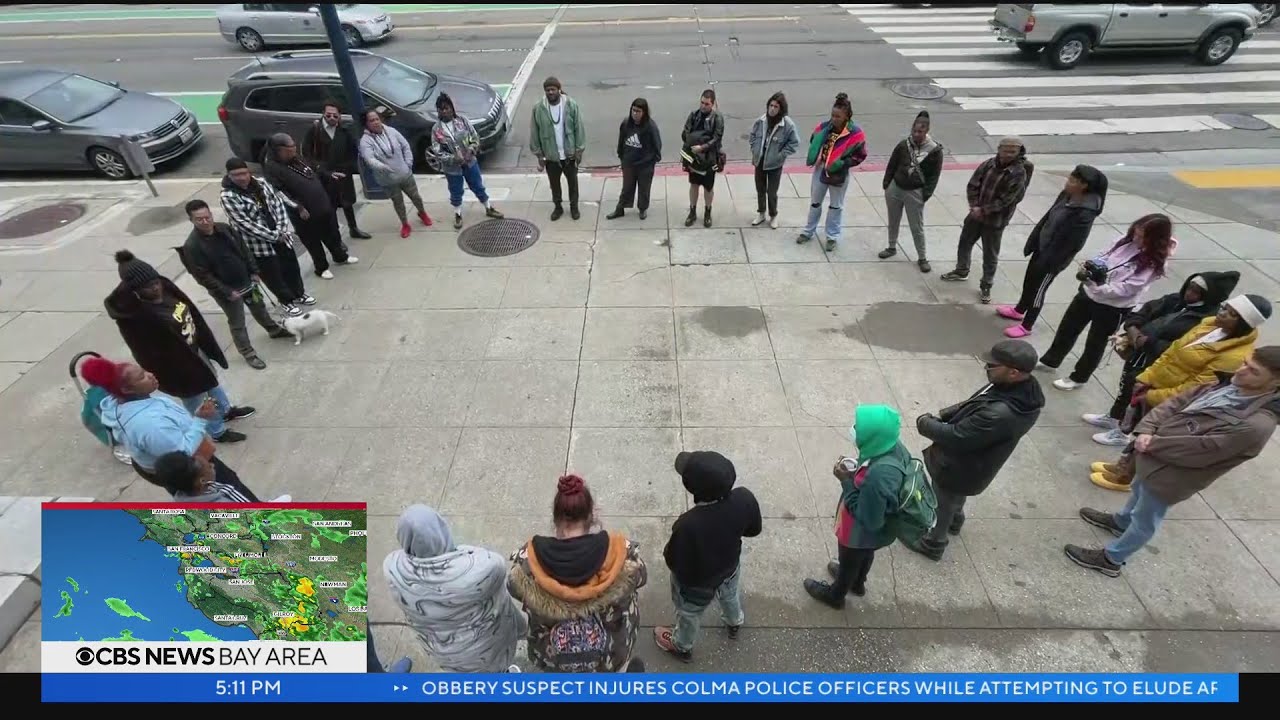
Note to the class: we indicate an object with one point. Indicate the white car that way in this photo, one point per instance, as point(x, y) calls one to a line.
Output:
point(255, 27)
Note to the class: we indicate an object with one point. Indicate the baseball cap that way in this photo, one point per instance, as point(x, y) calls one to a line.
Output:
point(1016, 354)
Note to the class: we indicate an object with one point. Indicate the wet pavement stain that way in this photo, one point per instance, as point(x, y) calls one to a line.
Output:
point(731, 321)
point(156, 218)
point(929, 328)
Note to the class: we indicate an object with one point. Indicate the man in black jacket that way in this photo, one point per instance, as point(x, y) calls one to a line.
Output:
point(170, 339)
point(973, 439)
point(330, 146)
point(217, 257)
point(304, 186)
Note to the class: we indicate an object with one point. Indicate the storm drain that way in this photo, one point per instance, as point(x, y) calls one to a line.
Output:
point(40, 220)
point(1242, 122)
point(498, 238)
point(917, 90)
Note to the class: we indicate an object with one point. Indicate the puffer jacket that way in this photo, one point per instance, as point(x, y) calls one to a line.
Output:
point(1165, 319)
point(1184, 366)
point(849, 152)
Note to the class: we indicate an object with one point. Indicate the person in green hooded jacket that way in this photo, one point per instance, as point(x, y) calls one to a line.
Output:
point(869, 488)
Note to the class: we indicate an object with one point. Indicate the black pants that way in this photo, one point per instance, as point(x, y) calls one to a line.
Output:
point(343, 194)
point(221, 474)
point(1035, 287)
point(1103, 321)
point(282, 275)
point(767, 182)
point(970, 233)
point(569, 169)
point(855, 563)
point(636, 178)
point(1133, 367)
point(950, 516)
point(319, 232)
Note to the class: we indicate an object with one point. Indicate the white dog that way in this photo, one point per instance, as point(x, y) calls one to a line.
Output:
point(308, 322)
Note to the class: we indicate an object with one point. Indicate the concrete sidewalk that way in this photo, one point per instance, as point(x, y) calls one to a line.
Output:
point(470, 384)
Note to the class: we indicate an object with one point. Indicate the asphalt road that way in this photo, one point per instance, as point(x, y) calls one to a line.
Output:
point(606, 55)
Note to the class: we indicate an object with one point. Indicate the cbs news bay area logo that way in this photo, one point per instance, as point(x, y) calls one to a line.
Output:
point(184, 657)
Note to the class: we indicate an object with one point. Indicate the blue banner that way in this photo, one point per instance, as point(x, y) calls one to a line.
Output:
point(646, 688)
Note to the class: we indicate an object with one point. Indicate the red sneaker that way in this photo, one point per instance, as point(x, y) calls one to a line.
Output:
point(425, 218)
point(405, 230)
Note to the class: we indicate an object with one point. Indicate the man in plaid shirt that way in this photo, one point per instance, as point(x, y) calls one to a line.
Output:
point(257, 210)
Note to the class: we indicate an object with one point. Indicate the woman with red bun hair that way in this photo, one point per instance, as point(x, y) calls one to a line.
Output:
point(579, 588)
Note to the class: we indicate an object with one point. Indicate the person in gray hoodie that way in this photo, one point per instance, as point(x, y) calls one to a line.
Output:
point(910, 178)
point(1054, 242)
point(773, 139)
point(389, 156)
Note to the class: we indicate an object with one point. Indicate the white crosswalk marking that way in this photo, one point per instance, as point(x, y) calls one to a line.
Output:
point(1013, 95)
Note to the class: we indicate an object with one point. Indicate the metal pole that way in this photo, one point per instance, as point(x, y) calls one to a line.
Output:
point(355, 98)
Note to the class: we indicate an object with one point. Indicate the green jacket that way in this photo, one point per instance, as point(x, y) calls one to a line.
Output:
point(542, 131)
point(874, 502)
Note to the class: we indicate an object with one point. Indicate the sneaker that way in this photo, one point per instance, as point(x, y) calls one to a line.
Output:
point(830, 246)
point(405, 230)
point(514, 669)
point(556, 213)
point(1065, 384)
point(1098, 420)
point(984, 294)
point(663, 639)
point(358, 234)
point(230, 436)
point(733, 631)
point(1115, 437)
point(887, 253)
point(255, 362)
point(925, 266)
point(1008, 312)
point(1017, 332)
point(823, 593)
point(291, 310)
point(239, 413)
point(307, 300)
point(327, 274)
point(425, 218)
point(760, 218)
point(954, 276)
point(1115, 482)
point(351, 260)
point(802, 239)
point(492, 212)
point(617, 213)
point(457, 221)
point(773, 222)
point(1093, 559)
point(122, 455)
point(1104, 520)
point(279, 333)
point(922, 547)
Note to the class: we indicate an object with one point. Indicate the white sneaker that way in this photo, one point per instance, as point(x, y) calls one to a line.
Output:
point(1112, 438)
point(122, 455)
point(513, 669)
point(284, 499)
point(773, 222)
point(1066, 384)
point(327, 274)
point(351, 260)
point(1106, 422)
point(760, 218)
point(291, 310)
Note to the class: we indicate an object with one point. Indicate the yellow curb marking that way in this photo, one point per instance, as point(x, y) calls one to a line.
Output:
point(1230, 178)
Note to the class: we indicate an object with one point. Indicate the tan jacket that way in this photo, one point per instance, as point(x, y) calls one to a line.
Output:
point(1189, 451)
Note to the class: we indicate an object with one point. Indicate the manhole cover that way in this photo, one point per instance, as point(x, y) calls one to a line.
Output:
point(40, 220)
point(918, 90)
point(1242, 122)
point(498, 238)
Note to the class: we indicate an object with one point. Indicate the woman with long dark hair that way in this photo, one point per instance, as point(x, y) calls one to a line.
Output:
point(773, 139)
point(1111, 284)
point(639, 152)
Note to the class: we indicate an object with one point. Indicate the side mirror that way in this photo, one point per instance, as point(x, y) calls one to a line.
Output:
point(42, 126)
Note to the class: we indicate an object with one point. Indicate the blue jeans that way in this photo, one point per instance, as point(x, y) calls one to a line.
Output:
point(218, 424)
point(471, 176)
point(689, 614)
point(834, 195)
point(1140, 518)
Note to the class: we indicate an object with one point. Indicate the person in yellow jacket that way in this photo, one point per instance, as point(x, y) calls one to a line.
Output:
point(1218, 345)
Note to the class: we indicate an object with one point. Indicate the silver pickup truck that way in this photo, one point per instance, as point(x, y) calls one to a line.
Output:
point(1068, 33)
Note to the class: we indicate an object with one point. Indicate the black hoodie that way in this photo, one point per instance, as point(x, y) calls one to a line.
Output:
point(1165, 319)
point(973, 439)
point(158, 346)
point(706, 541)
point(1063, 231)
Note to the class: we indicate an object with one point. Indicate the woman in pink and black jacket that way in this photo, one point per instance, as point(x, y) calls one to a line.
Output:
point(837, 146)
point(1111, 284)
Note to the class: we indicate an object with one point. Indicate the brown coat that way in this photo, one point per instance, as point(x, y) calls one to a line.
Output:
point(1189, 451)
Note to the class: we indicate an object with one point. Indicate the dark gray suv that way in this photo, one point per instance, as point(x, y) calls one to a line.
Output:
point(286, 92)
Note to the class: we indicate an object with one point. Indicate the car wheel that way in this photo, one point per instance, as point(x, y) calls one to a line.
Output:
point(1029, 49)
point(249, 39)
point(1219, 46)
point(109, 163)
point(1069, 50)
point(354, 39)
point(1268, 11)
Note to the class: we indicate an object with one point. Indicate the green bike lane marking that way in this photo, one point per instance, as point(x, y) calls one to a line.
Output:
point(204, 104)
point(208, 14)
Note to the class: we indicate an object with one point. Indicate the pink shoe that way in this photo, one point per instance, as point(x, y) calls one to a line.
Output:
point(1016, 332)
point(1008, 312)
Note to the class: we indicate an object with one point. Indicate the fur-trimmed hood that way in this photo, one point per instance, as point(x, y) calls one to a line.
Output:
point(615, 583)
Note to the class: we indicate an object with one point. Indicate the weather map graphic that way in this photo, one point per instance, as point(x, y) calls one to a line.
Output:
point(225, 573)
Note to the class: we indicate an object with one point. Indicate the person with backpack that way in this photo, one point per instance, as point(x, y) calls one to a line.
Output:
point(972, 440)
point(700, 154)
point(580, 588)
point(870, 490)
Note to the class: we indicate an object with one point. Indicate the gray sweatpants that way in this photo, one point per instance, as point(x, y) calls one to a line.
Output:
point(912, 201)
point(234, 310)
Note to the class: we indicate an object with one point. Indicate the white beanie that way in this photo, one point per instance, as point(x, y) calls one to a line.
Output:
point(1252, 309)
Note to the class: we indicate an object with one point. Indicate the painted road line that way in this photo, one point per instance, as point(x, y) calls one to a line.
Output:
point(1107, 126)
point(1253, 44)
point(995, 65)
point(942, 40)
point(1272, 120)
point(10, 62)
point(246, 57)
point(1067, 80)
point(925, 19)
point(1244, 58)
point(956, 51)
point(1230, 178)
point(948, 29)
point(43, 16)
point(889, 11)
point(1128, 100)
point(521, 79)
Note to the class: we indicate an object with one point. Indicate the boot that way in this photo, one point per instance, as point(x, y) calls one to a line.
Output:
point(617, 213)
point(557, 212)
point(706, 217)
point(824, 593)
point(692, 217)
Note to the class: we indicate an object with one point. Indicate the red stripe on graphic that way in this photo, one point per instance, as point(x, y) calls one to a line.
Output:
point(203, 506)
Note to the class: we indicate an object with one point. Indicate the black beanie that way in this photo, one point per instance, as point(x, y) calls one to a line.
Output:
point(236, 163)
point(134, 272)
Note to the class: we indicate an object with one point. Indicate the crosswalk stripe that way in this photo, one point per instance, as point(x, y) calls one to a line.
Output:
point(1244, 58)
point(999, 48)
point(871, 11)
point(1106, 126)
point(948, 29)
point(1069, 80)
point(1126, 100)
point(996, 65)
point(1272, 120)
point(944, 40)
point(928, 19)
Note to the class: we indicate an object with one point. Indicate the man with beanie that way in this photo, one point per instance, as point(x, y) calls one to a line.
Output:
point(257, 210)
point(910, 178)
point(170, 339)
point(973, 439)
point(705, 549)
point(558, 139)
point(216, 256)
point(304, 189)
point(1183, 445)
point(994, 191)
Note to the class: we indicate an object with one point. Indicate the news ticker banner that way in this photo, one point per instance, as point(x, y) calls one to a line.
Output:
point(644, 688)
point(198, 588)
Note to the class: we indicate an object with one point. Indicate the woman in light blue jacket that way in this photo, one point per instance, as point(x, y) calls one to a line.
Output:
point(773, 139)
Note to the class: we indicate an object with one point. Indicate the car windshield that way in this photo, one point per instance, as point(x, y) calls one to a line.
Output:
point(74, 97)
point(400, 84)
